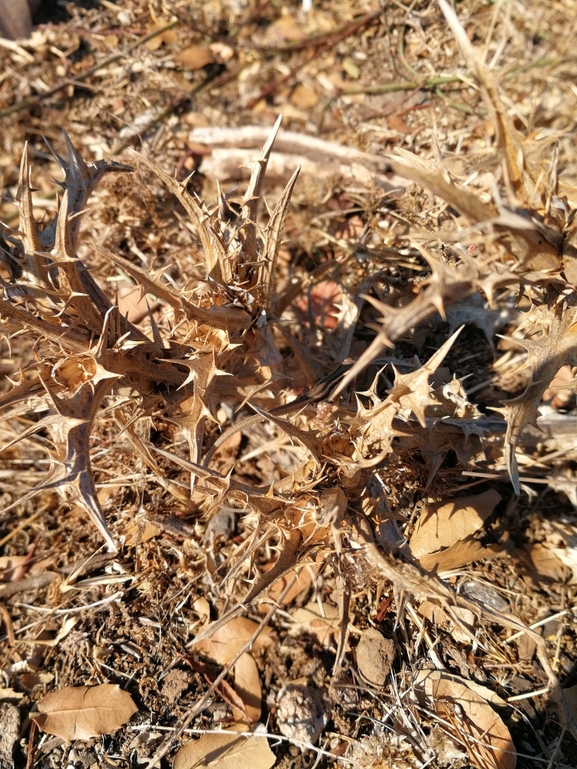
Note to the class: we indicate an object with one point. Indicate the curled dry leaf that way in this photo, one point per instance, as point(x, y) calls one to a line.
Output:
point(545, 562)
point(83, 712)
point(425, 678)
point(228, 750)
point(68, 624)
point(458, 555)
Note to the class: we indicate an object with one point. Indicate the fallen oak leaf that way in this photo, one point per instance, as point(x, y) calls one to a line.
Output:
point(228, 693)
point(458, 555)
point(447, 524)
point(322, 623)
point(464, 707)
point(83, 712)
point(425, 681)
point(475, 723)
point(228, 750)
point(248, 687)
point(223, 645)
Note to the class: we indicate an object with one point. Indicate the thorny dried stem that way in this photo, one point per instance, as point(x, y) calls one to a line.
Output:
point(339, 477)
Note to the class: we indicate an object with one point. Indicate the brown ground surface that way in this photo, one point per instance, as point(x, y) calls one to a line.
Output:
point(161, 78)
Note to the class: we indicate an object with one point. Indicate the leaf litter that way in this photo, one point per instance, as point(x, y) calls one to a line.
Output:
point(216, 381)
point(82, 712)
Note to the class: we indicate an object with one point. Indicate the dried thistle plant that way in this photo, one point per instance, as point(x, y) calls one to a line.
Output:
point(353, 460)
point(90, 359)
point(522, 230)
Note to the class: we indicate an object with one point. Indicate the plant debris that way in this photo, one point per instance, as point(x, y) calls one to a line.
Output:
point(288, 413)
point(83, 712)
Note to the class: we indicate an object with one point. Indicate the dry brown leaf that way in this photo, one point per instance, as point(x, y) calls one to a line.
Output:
point(396, 123)
point(10, 566)
point(284, 28)
point(303, 577)
point(168, 37)
point(83, 712)
point(225, 751)
point(195, 57)
point(444, 524)
point(568, 556)
point(433, 612)
point(321, 304)
point(247, 686)
point(546, 562)
point(232, 699)
point(68, 624)
point(437, 616)
point(133, 305)
point(458, 555)
point(475, 723)
point(225, 643)
point(323, 624)
point(202, 607)
point(304, 97)
point(140, 530)
point(426, 678)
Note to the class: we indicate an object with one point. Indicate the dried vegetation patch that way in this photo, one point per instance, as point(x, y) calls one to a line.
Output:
point(288, 443)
